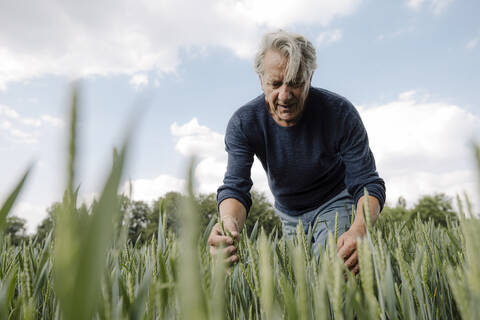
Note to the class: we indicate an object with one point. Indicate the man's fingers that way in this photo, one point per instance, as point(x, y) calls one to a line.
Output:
point(347, 249)
point(228, 251)
point(219, 240)
point(217, 229)
point(355, 269)
point(339, 243)
point(217, 237)
point(352, 260)
point(236, 235)
point(231, 259)
point(231, 250)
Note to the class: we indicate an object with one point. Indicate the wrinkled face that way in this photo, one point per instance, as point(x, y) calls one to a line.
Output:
point(284, 100)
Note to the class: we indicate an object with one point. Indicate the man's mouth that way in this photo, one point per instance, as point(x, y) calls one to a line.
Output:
point(285, 108)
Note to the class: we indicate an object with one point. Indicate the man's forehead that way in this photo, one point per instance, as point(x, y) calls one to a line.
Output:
point(274, 59)
point(275, 66)
point(274, 75)
point(279, 75)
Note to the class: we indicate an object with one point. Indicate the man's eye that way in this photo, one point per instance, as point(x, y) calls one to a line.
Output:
point(296, 84)
point(276, 84)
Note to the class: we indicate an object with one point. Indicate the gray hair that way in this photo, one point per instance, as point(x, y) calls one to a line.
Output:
point(302, 58)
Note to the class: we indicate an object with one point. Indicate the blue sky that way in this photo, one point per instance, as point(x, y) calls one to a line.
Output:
point(411, 67)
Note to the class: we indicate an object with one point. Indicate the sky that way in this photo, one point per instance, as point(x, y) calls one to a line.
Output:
point(411, 68)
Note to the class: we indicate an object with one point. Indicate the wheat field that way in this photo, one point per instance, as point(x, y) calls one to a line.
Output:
point(86, 268)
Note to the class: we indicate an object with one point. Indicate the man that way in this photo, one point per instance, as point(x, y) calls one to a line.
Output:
point(312, 145)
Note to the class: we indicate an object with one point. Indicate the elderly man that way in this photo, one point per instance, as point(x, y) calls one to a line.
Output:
point(312, 145)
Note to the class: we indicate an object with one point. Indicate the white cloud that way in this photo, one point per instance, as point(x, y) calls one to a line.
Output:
point(8, 112)
point(87, 198)
point(208, 146)
point(193, 139)
point(196, 140)
point(19, 128)
point(397, 33)
point(328, 37)
point(139, 81)
point(280, 13)
point(33, 213)
point(30, 122)
point(407, 95)
point(414, 4)
point(436, 6)
point(5, 124)
point(22, 136)
point(151, 189)
point(472, 43)
point(52, 121)
point(124, 37)
point(422, 147)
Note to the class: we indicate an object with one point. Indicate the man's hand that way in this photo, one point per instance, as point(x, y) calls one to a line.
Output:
point(233, 214)
point(347, 242)
point(219, 242)
point(347, 248)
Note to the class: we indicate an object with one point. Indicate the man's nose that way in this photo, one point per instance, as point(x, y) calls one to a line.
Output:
point(285, 92)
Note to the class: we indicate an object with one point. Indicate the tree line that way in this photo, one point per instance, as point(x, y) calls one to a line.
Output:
point(143, 217)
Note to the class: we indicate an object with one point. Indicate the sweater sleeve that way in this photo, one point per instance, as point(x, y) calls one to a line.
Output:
point(237, 182)
point(360, 169)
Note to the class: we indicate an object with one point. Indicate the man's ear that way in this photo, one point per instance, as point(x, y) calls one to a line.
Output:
point(261, 81)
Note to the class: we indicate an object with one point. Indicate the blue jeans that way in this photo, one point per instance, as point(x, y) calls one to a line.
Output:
point(341, 203)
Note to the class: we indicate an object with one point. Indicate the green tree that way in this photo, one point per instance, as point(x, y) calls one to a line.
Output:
point(47, 224)
point(437, 207)
point(172, 203)
point(16, 230)
point(401, 202)
point(263, 212)
point(143, 219)
point(397, 213)
point(207, 207)
point(139, 217)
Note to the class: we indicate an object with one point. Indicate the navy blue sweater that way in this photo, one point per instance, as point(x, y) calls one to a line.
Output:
point(306, 164)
